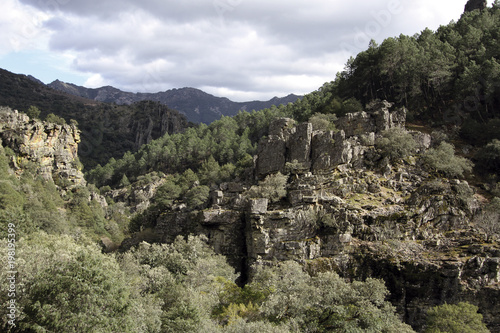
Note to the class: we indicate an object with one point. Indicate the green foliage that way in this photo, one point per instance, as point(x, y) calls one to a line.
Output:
point(442, 75)
point(488, 158)
point(69, 287)
point(323, 122)
point(273, 187)
point(9, 196)
point(351, 105)
point(396, 143)
point(33, 112)
point(443, 159)
point(167, 193)
point(331, 304)
point(52, 118)
point(185, 275)
point(197, 196)
point(459, 318)
point(124, 182)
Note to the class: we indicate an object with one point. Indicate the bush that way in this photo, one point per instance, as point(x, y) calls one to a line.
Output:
point(460, 318)
point(33, 112)
point(69, 287)
point(197, 196)
point(52, 118)
point(273, 187)
point(324, 303)
point(396, 143)
point(351, 105)
point(443, 159)
point(323, 122)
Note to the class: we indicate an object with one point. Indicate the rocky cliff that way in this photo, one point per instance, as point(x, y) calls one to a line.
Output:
point(48, 149)
point(350, 209)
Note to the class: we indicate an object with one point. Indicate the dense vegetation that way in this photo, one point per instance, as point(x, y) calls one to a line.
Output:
point(447, 77)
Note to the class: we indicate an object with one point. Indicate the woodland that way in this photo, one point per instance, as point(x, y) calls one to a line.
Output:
point(67, 280)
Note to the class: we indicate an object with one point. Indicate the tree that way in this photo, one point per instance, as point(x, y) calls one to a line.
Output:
point(273, 187)
point(52, 118)
point(70, 286)
point(197, 196)
point(325, 303)
point(396, 143)
point(323, 122)
point(459, 318)
point(443, 159)
point(33, 112)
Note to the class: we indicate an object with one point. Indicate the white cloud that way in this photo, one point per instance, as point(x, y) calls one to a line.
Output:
point(236, 48)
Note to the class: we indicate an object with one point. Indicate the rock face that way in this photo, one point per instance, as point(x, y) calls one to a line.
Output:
point(323, 151)
point(51, 148)
point(348, 209)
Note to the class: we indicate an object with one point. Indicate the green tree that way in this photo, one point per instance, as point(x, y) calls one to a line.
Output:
point(443, 159)
point(52, 118)
point(459, 318)
point(323, 122)
point(33, 112)
point(197, 196)
point(396, 143)
point(325, 303)
point(70, 286)
point(273, 187)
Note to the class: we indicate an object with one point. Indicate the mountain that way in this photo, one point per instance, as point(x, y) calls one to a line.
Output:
point(107, 130)
point(196, 105)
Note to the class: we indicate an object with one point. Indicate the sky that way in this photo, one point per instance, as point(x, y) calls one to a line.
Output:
point(241, 49)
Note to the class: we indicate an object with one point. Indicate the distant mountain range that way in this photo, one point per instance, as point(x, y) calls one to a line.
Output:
point(196, 105)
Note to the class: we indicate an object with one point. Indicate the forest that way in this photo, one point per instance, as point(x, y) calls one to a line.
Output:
point(449, 82)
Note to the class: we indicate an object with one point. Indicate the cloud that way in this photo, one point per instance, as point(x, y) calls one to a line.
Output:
point(241, 48)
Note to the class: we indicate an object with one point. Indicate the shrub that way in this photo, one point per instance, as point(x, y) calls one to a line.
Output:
point(444, 160)
point(323, 122)
point(33, 112)
point(273, 187)
point(396, 143)
point(69, 287)
point(52, 118)
point(197, 196)
point(460, 318)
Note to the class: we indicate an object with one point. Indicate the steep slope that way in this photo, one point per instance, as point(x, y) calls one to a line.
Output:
point(344, 205)
point(198, 106)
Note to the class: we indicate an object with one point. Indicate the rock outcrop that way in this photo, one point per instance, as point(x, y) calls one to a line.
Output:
point(49, 148)
point(323, 151)
point(350, 210)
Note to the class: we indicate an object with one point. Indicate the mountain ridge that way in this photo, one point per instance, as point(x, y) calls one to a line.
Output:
point(197, 105)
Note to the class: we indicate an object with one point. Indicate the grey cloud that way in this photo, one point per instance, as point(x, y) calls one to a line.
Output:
point(240, 45)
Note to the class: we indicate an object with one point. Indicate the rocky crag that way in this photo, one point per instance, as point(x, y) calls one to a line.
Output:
point(348, 208)
point(50, 150)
